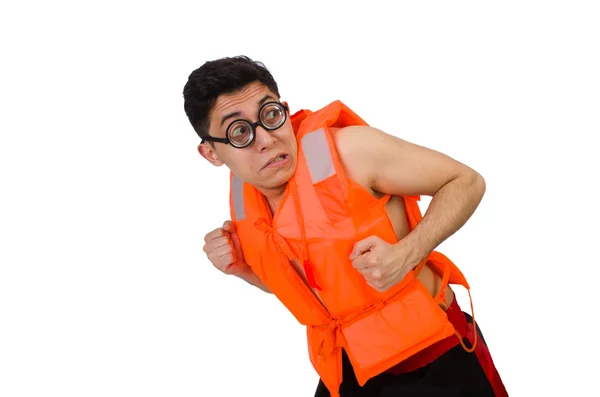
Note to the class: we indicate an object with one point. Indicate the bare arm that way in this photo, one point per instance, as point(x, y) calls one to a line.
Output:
point(394, 166)
point(251, 278)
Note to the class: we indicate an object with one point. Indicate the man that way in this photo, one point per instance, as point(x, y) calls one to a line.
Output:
point(324, 216)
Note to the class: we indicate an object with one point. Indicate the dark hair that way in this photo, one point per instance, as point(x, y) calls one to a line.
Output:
point(221, 76)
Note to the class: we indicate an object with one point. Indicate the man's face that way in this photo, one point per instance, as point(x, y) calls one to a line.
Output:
point(269, 162)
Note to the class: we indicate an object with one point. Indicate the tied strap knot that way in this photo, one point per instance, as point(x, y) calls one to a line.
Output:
point(333, 338)
point(262, 225)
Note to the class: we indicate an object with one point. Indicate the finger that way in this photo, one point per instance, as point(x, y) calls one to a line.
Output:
point(227, 253)
point(361, 262)
point(376, 274)
point(217, 243)
point(214, 234)
point(370, 259)
point(223, 257)
point(363, 246)
point(372, 274)
point(228, 226)
point(237, 247)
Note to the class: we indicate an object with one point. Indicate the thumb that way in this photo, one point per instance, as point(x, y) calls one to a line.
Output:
point(237, 247)
point(362, 246)
point(229, 227)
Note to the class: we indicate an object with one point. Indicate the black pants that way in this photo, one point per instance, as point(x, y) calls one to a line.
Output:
point(455, 373)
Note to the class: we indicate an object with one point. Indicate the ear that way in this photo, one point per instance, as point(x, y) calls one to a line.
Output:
point(209, 153)
point(287, 106)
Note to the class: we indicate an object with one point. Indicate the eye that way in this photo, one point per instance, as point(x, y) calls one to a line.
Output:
point(239, 131)
point(272, 115)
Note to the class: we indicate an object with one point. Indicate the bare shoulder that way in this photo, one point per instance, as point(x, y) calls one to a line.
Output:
point(359, 148)
point(352, 155)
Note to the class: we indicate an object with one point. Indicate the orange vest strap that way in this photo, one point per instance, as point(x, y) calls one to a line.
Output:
point(318, 156)
point(237, 191)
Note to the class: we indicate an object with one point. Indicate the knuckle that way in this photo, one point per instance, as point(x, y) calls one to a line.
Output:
point(222, 268)
point(222, 263)
point(210, 235)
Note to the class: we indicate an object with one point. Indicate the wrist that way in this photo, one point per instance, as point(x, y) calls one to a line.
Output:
point(413, 248)
point(244, 272)
point(248, 275)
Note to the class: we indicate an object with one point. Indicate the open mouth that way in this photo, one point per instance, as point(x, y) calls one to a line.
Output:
point(279, 160)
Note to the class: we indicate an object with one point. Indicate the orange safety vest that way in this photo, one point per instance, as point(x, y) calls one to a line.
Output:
point(321, 216)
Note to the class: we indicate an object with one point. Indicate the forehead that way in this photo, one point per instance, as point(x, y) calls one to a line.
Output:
point(244, 99)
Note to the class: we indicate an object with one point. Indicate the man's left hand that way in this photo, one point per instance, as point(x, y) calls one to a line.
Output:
point(382, 264)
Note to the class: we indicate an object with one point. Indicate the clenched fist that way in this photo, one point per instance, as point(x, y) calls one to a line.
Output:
point(382, 265)
point(222, 246)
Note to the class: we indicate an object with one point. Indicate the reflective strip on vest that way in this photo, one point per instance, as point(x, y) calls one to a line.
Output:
point(317, 155)
point(237, 190)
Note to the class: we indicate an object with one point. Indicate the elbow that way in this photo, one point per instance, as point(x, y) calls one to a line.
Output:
point(478, 185)
point(471, 183)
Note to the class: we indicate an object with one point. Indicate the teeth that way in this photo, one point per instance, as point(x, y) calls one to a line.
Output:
point(278, 158)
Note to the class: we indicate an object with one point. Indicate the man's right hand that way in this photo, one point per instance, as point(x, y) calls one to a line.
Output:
point(222, 246)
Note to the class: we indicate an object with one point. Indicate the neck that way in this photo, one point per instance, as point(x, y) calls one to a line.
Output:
point(274, 196)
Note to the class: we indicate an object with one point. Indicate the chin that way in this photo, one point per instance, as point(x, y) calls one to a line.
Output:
point(279, 181)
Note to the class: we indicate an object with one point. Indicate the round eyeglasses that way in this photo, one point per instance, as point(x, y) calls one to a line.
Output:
point(242, 133)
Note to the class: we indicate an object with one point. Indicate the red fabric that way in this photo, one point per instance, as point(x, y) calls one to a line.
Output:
point(486, 362)
point(466, 330)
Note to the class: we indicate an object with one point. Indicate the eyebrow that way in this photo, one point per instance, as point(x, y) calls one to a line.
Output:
point(236, 114)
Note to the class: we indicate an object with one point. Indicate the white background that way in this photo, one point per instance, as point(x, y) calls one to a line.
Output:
point(104, 288)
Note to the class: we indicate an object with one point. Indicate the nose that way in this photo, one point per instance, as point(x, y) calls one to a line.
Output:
point(264, 139)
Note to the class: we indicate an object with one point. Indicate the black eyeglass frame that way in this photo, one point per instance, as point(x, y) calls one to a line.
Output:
point(253, 126)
